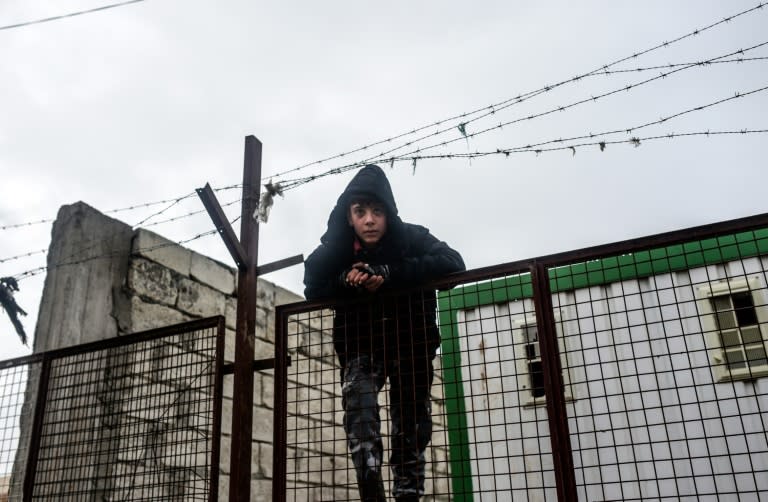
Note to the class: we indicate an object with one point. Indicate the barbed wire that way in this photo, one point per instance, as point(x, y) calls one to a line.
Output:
point(71, 14)
point(187, 215)
point(239, 185)
point(630, 130)
point(38, 270)
point(675, 65)
point(18, 257)
point(634, 141)
point(295, 183)
point(122, 209)
point(175, 218)
point(529, 147)
point(493, 108)
point(164, 210)
point(591, 99)
point(490, 109)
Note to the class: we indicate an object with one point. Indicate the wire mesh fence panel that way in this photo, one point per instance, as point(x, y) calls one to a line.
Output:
point(360, 408)
point(128, 419)
point(665, 351)
point(631, 371)
point(495, 398)
point(16, 410)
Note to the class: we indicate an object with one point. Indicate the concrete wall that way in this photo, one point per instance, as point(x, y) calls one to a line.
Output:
point(106, 280)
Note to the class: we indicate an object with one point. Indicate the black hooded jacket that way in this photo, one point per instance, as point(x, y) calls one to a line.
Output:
point(379, 321)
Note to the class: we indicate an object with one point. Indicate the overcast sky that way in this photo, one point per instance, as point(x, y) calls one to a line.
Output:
point(148, 101)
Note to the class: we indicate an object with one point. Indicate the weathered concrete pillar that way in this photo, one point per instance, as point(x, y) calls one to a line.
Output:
point(87, 264)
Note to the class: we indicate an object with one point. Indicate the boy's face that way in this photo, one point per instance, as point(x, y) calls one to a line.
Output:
point(369, 220)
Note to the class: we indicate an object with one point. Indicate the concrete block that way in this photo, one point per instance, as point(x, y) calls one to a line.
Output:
point(199, 300)
point(229, 345)
point(144, 316)
point(266, 453)
point(261, 320)
point(230, 311)
point(183, 447)
point(283, 296)
point(163, 251)
point(176, 365)
point(223, 487)
point(267, 390)
point(261, 490)
point(265, 294)
point(152, 281)
point(227, 385)
point(263, 419)
point(226, 416)
point(225, 453)
point(212, 273)
point(264, 350)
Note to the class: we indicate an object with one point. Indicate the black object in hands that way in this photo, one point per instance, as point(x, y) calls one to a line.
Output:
point(380, 270)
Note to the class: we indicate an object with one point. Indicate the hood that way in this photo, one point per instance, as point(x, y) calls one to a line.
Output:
point(371, 181)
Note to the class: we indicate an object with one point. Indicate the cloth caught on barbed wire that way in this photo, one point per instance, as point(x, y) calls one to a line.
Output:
point(267, 200)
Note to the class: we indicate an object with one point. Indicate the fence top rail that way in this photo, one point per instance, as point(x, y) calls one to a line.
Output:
point(152, 334)
point(629, 246)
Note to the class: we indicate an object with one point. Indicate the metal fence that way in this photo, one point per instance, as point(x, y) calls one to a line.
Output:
point(130, 418)
point(630, 371)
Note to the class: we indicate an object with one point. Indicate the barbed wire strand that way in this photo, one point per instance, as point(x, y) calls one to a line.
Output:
point(164, 210)
point(675, 65)
point(71, 14)
point(603, 69)
point(634, 141)
point(175, 218)
point(18, 257)
point(95, 244)
point(291, 184)
point(239, 185)
point(119, 210)
point(530, 94)
point(35, 271)
point(630, 130)
point(619, 90)
point(187, 215)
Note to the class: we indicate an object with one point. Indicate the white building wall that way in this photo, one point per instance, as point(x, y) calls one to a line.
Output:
point(647, 417)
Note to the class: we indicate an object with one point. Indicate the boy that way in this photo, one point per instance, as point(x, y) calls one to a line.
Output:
point(367, 250)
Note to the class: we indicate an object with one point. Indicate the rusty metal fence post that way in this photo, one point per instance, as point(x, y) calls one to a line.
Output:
point(553, 384)
point(279, 452)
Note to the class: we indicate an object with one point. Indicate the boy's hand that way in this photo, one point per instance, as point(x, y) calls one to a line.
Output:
point(362, 275)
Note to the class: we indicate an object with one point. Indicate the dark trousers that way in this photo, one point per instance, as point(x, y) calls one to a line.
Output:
point(410, 380)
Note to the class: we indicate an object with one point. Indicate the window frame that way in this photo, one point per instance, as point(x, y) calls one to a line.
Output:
point(713, 334)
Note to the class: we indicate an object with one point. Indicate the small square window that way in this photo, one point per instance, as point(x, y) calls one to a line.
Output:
point(530, 369)
point(734, 319)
